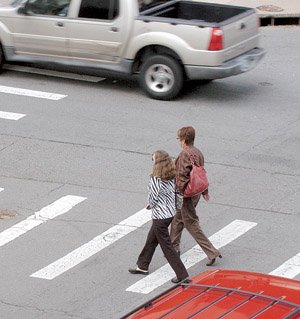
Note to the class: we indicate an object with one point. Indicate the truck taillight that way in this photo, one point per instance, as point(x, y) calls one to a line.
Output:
point(216, 41)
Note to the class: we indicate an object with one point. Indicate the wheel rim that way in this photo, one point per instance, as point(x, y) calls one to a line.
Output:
point(159, 78)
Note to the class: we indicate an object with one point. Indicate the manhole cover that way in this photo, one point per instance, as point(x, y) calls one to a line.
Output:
point(7, 214)
point(270, 8)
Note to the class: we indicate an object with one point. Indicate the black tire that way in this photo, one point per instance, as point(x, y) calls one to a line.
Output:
point(161, 77)
point(1, 57)
point(204, 82)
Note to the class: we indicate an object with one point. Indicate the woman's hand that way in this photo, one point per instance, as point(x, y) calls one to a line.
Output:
point(206, 197)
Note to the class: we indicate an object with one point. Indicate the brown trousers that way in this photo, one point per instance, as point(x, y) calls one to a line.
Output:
point(187, 218)
point(159, 234)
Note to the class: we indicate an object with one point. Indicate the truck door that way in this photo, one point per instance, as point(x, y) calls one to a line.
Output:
point(96, 33)
point(39, 28)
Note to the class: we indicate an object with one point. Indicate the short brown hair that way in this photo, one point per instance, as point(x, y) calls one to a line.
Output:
point(187, 134)
point(163, 166)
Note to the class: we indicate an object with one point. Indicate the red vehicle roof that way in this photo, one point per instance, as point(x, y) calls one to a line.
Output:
point(226, 294)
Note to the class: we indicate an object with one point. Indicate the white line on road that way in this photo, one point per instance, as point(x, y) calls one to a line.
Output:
point(94, 246)
point(11, 116)
point(59, 207)
point(32, 93)
point(289, 269)
point(223, 237)
point(65, 75)
point(1, 189)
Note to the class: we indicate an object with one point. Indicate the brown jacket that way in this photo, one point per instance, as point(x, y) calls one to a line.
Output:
point(184, 166)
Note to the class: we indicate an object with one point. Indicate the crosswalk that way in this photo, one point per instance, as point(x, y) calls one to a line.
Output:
point(225, 236)
point(289, 269)
point(11, 116)
point(31, 93)
point(94, 246)
point(49, 212)
point(25, 92)
point(35, 93)
point(63, 205)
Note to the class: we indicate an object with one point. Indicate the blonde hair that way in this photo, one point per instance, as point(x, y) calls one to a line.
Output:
point(163, 165)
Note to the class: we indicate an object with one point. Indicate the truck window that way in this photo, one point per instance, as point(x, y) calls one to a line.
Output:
point(48, 7)
point(99, 9)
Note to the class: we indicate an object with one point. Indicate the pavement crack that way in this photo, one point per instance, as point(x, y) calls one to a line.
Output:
point(73, 184)
point(253, 169)
point(254, 209)
point(7, 146)
point(78, 144)
point(56, 188)
point(44, 311)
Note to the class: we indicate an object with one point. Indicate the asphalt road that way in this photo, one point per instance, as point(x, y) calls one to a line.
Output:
point(88, 152)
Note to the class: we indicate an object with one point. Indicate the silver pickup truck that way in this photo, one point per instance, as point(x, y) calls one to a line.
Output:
point(163, 41)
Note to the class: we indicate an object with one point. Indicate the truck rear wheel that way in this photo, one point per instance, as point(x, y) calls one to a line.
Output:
point(161, 77)
point(1, 56)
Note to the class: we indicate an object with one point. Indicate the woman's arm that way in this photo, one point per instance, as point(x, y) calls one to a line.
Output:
point(183, 169)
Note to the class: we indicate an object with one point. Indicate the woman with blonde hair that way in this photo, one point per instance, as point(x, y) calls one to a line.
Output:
point(161, 201)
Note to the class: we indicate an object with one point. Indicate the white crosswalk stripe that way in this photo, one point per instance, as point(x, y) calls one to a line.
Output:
point(289, 269)
point(11, 116)
point(31, 93)
point(94, 246)
point(25, 92)
point(223, 237)
point(59, 207)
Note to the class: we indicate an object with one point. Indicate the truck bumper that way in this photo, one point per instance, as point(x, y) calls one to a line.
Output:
point(240, 64)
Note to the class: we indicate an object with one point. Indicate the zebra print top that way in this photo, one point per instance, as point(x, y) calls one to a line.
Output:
point(161, 197)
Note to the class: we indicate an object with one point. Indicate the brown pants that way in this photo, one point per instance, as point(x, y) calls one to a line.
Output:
point(159, 234)
point(187, 218)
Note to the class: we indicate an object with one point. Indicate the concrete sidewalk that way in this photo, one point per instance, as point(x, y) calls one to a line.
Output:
point(268, 8)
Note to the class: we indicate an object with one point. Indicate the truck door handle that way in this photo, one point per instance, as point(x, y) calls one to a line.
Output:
point(114, 29)
point(60, 24)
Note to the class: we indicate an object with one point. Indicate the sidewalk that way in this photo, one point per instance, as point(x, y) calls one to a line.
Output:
point(273, 9)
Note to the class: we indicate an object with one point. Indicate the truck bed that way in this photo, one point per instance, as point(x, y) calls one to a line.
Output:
point(197, 12)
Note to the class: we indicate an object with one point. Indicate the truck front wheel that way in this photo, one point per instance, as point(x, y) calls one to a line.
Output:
point(161, 77)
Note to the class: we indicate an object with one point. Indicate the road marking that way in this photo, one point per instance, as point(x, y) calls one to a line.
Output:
point(289, 269)
point(65, 75)
point(92, 247)
point(11, 116)
point(1, 189)
point(223, 237)
point(59, 207)
point(32, 93)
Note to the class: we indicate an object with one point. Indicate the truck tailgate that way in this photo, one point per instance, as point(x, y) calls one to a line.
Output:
point(240, 36)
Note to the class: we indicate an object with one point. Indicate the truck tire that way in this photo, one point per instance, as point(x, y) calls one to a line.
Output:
point(161, 77)
point(1, 57)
